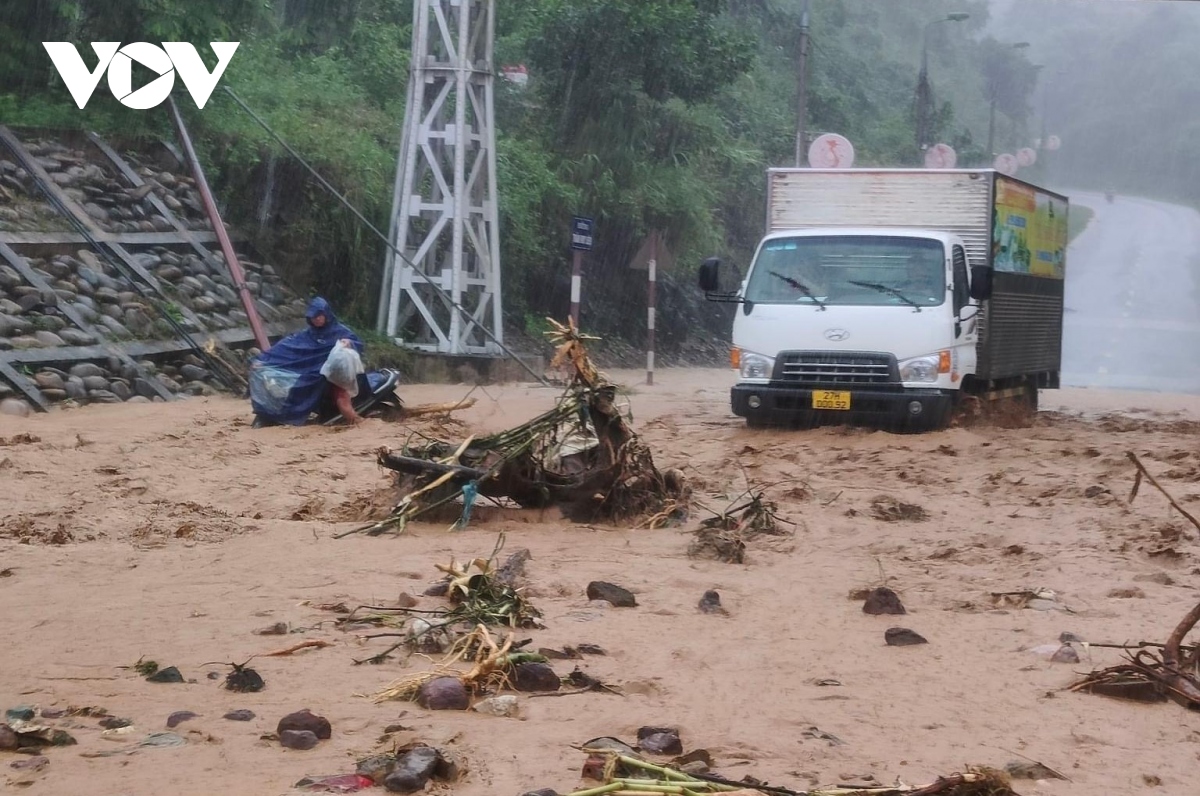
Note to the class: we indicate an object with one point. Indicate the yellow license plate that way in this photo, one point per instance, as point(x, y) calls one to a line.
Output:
point(830, 399)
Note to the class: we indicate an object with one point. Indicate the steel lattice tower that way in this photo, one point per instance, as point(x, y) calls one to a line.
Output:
point(444, 214)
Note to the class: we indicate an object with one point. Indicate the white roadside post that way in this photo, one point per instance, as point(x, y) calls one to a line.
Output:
point(651, 290)
point(581, 241)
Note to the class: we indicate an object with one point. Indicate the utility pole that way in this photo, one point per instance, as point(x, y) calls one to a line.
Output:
point(925, 109)
point(995, 89)
point(802, 93)
point(991, 145)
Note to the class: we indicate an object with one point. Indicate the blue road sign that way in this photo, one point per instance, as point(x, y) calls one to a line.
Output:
point(581, 233)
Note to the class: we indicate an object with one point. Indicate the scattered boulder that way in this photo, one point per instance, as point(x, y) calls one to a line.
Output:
point(8, 738)
point(298, 739)
point(167, 675)
point(660, 741)
point(611, 593)
point(414, 768)
point(883, 601)
point(710, 603)
point(535, 677)
point(15, 407)
point(240, 715)
point(1065, 654)
point(376, 767)
point(902, 637)
point(505, 705)
point(444, 693)
point(305, 721)
point(179, 717)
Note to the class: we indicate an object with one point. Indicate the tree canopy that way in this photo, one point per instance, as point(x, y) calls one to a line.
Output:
point(647, 114)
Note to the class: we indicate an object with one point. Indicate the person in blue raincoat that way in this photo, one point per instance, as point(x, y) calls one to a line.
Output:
point(286, 385)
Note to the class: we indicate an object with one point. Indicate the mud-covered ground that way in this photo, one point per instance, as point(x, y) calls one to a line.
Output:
point(174, 532)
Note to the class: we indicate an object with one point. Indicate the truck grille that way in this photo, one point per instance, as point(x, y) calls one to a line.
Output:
point(817, 367)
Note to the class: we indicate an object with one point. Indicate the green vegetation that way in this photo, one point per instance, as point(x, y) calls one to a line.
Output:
point(647, 114)
point(1078, 220)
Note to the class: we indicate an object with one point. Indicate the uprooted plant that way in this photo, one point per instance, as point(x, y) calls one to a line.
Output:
point(490, 661)
point(581, 455)
point(623, 775)
point(724, 535)
point(1173, 673)
point(480, 594)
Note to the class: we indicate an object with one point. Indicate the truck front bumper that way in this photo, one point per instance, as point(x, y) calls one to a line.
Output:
point(771, 403)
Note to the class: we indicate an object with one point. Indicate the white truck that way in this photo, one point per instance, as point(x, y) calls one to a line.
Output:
point(891, 293)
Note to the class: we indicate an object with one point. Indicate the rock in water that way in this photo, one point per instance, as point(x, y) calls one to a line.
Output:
point(179, 717)
point(376, 767)
point(413, 770)
point(611, 593)
point(883, 601)
point(297, 739)
point(660, 741)
point(240, 715)
point(15, 408)
point(505, 705)
point(710, 603)
point(444, 693)
point(535, 677)
point(902, 637)
point(1065, 654)
point(167, 675)
point(305, 721)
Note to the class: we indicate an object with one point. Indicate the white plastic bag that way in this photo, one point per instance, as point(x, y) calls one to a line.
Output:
point(269, 387)
point(343, 366)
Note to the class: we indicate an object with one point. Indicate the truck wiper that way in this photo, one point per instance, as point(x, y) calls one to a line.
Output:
point(803, 288)
point(886, 289)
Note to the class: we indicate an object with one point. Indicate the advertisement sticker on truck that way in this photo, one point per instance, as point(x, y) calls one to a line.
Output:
point(1029, 234)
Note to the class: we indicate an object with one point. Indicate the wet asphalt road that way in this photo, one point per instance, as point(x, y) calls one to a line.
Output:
point(1133, 297)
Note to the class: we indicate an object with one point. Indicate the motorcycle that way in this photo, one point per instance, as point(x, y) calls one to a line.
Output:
point(376, 397)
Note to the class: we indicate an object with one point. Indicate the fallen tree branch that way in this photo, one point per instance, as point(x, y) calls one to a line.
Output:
point(436, 409)
point(1148, 677)
point(303, 645)
point(1142, 471)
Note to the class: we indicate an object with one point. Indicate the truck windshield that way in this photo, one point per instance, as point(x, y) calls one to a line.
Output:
point(849, 270)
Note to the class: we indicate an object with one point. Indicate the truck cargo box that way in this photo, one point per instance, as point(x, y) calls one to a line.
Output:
point(1016, 229)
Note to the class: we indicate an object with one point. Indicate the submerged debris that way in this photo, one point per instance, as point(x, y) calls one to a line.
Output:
point(1152, 677)
point(888, 509)
point(724, 536)
point(620, 771)
point(581, 455)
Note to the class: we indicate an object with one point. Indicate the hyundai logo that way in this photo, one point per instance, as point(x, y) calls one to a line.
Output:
point(836, 335)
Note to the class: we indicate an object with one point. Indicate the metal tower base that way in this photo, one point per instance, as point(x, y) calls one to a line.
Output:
point(444, 214)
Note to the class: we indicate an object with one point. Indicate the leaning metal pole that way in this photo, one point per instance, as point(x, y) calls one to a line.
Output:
point(444, 220)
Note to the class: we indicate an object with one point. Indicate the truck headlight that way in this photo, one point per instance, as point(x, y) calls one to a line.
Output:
point(920, 369)
point(756, 367)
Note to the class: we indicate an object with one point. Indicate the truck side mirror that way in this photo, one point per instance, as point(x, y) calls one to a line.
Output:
point(981, 282)
point(710, 271)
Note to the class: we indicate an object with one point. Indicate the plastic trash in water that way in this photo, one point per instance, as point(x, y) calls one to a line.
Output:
point(339, 783)
point(470, 491)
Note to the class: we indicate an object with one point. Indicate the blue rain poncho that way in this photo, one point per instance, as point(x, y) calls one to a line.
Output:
point(286, 384)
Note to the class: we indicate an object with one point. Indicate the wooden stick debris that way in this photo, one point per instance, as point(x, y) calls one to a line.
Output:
point(303, 645)
point(1142, 471)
